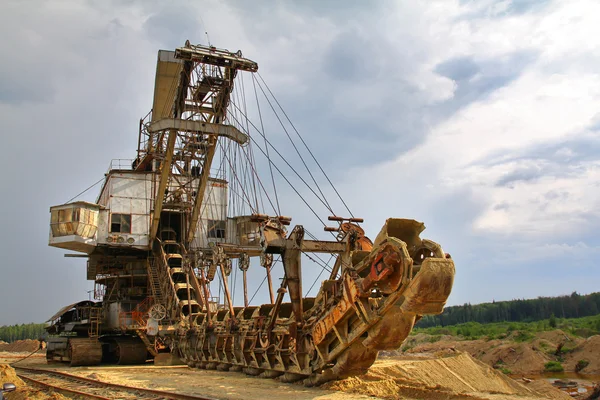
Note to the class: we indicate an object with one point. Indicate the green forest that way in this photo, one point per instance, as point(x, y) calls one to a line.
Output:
point(542, 308)
point(23, 331)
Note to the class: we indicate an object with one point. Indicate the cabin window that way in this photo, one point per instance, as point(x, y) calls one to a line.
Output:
point(216, 229)
point(120, 223)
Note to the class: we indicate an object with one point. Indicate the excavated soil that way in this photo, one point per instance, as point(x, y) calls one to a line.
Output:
point(448, 368)
point(23, 392)
point(518, 358)
point(588, 350)
point(19, 346)
point(457, 376)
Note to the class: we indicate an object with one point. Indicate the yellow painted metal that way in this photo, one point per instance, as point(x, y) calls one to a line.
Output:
point(210, 153)
point(165, 168)
point(168, 69)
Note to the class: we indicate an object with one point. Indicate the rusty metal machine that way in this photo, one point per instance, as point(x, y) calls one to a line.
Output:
point(169, 227)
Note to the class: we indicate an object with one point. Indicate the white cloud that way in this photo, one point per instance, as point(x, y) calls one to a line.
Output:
point(554, 99)
point(78, 75)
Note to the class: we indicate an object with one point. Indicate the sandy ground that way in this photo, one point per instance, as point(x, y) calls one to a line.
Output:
point(7, 375)
point(521, 358)
point(220, 385)
point(445, 369)
point(458, 376)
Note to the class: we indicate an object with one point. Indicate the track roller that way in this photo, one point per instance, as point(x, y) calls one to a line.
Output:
point(125, 350)
point(84, 351)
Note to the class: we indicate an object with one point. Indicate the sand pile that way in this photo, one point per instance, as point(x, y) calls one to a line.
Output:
point(588, 350)
point(522, 358)
point(458, 376)
point(27, 345)
point(518, 358)
point(8, 375)
point(545, 389)
point(556, 336)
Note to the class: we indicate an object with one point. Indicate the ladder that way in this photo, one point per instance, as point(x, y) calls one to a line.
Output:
point(149, 345)
point(154, 281)
point(94, 319)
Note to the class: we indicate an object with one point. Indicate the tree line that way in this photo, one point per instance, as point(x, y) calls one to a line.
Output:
point(573, 306)
point(542, 308)
point(11, 333)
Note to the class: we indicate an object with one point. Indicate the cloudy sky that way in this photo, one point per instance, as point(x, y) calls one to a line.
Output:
point(480, 118)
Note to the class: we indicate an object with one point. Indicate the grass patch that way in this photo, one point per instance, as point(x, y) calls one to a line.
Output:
point(581, 364)
point(520, 331)
point(406, 348)
point(523, 336)
point(553, 366)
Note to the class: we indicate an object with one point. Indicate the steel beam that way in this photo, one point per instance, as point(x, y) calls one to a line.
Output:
point(293, 270)
point(208, 157)
point(165, 169)
point(207, 128)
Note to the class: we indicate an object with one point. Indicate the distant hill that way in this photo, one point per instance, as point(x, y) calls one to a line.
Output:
point(573, 306)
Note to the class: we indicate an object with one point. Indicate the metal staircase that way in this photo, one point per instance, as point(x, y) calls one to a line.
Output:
point(154, 281)
point(149, 345)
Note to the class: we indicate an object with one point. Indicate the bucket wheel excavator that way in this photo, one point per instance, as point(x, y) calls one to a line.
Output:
point(169, 227)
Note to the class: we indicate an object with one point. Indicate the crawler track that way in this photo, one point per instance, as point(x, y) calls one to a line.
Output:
point(93, 389)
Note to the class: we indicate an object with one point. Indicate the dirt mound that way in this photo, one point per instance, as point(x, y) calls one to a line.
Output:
point(27, 345)
point(556, 336)
point(545, 388)
point(458, 376)
point(8, 375)
point(588, 350)
point(25, 393)
point(516, 358)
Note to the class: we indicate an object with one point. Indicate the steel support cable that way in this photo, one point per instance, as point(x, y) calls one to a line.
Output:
point(258, 195)
point(208, 193)
point(262, 186)
point(256, 292)
point(289, 183)
point(263, 281)
point(284, 177)
point(252, 170)
point(244, 171)
point(234, 279)
point(251, 154)
point(79, 194)
point(237, 179)
point(285, 161)
point(296, 149)
point(256, 173)
point(315, 281)
point(249, 169)
point(320, 263)
point(249, 201)
point(313, 237)
point(262, 127)
point(305, 145)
